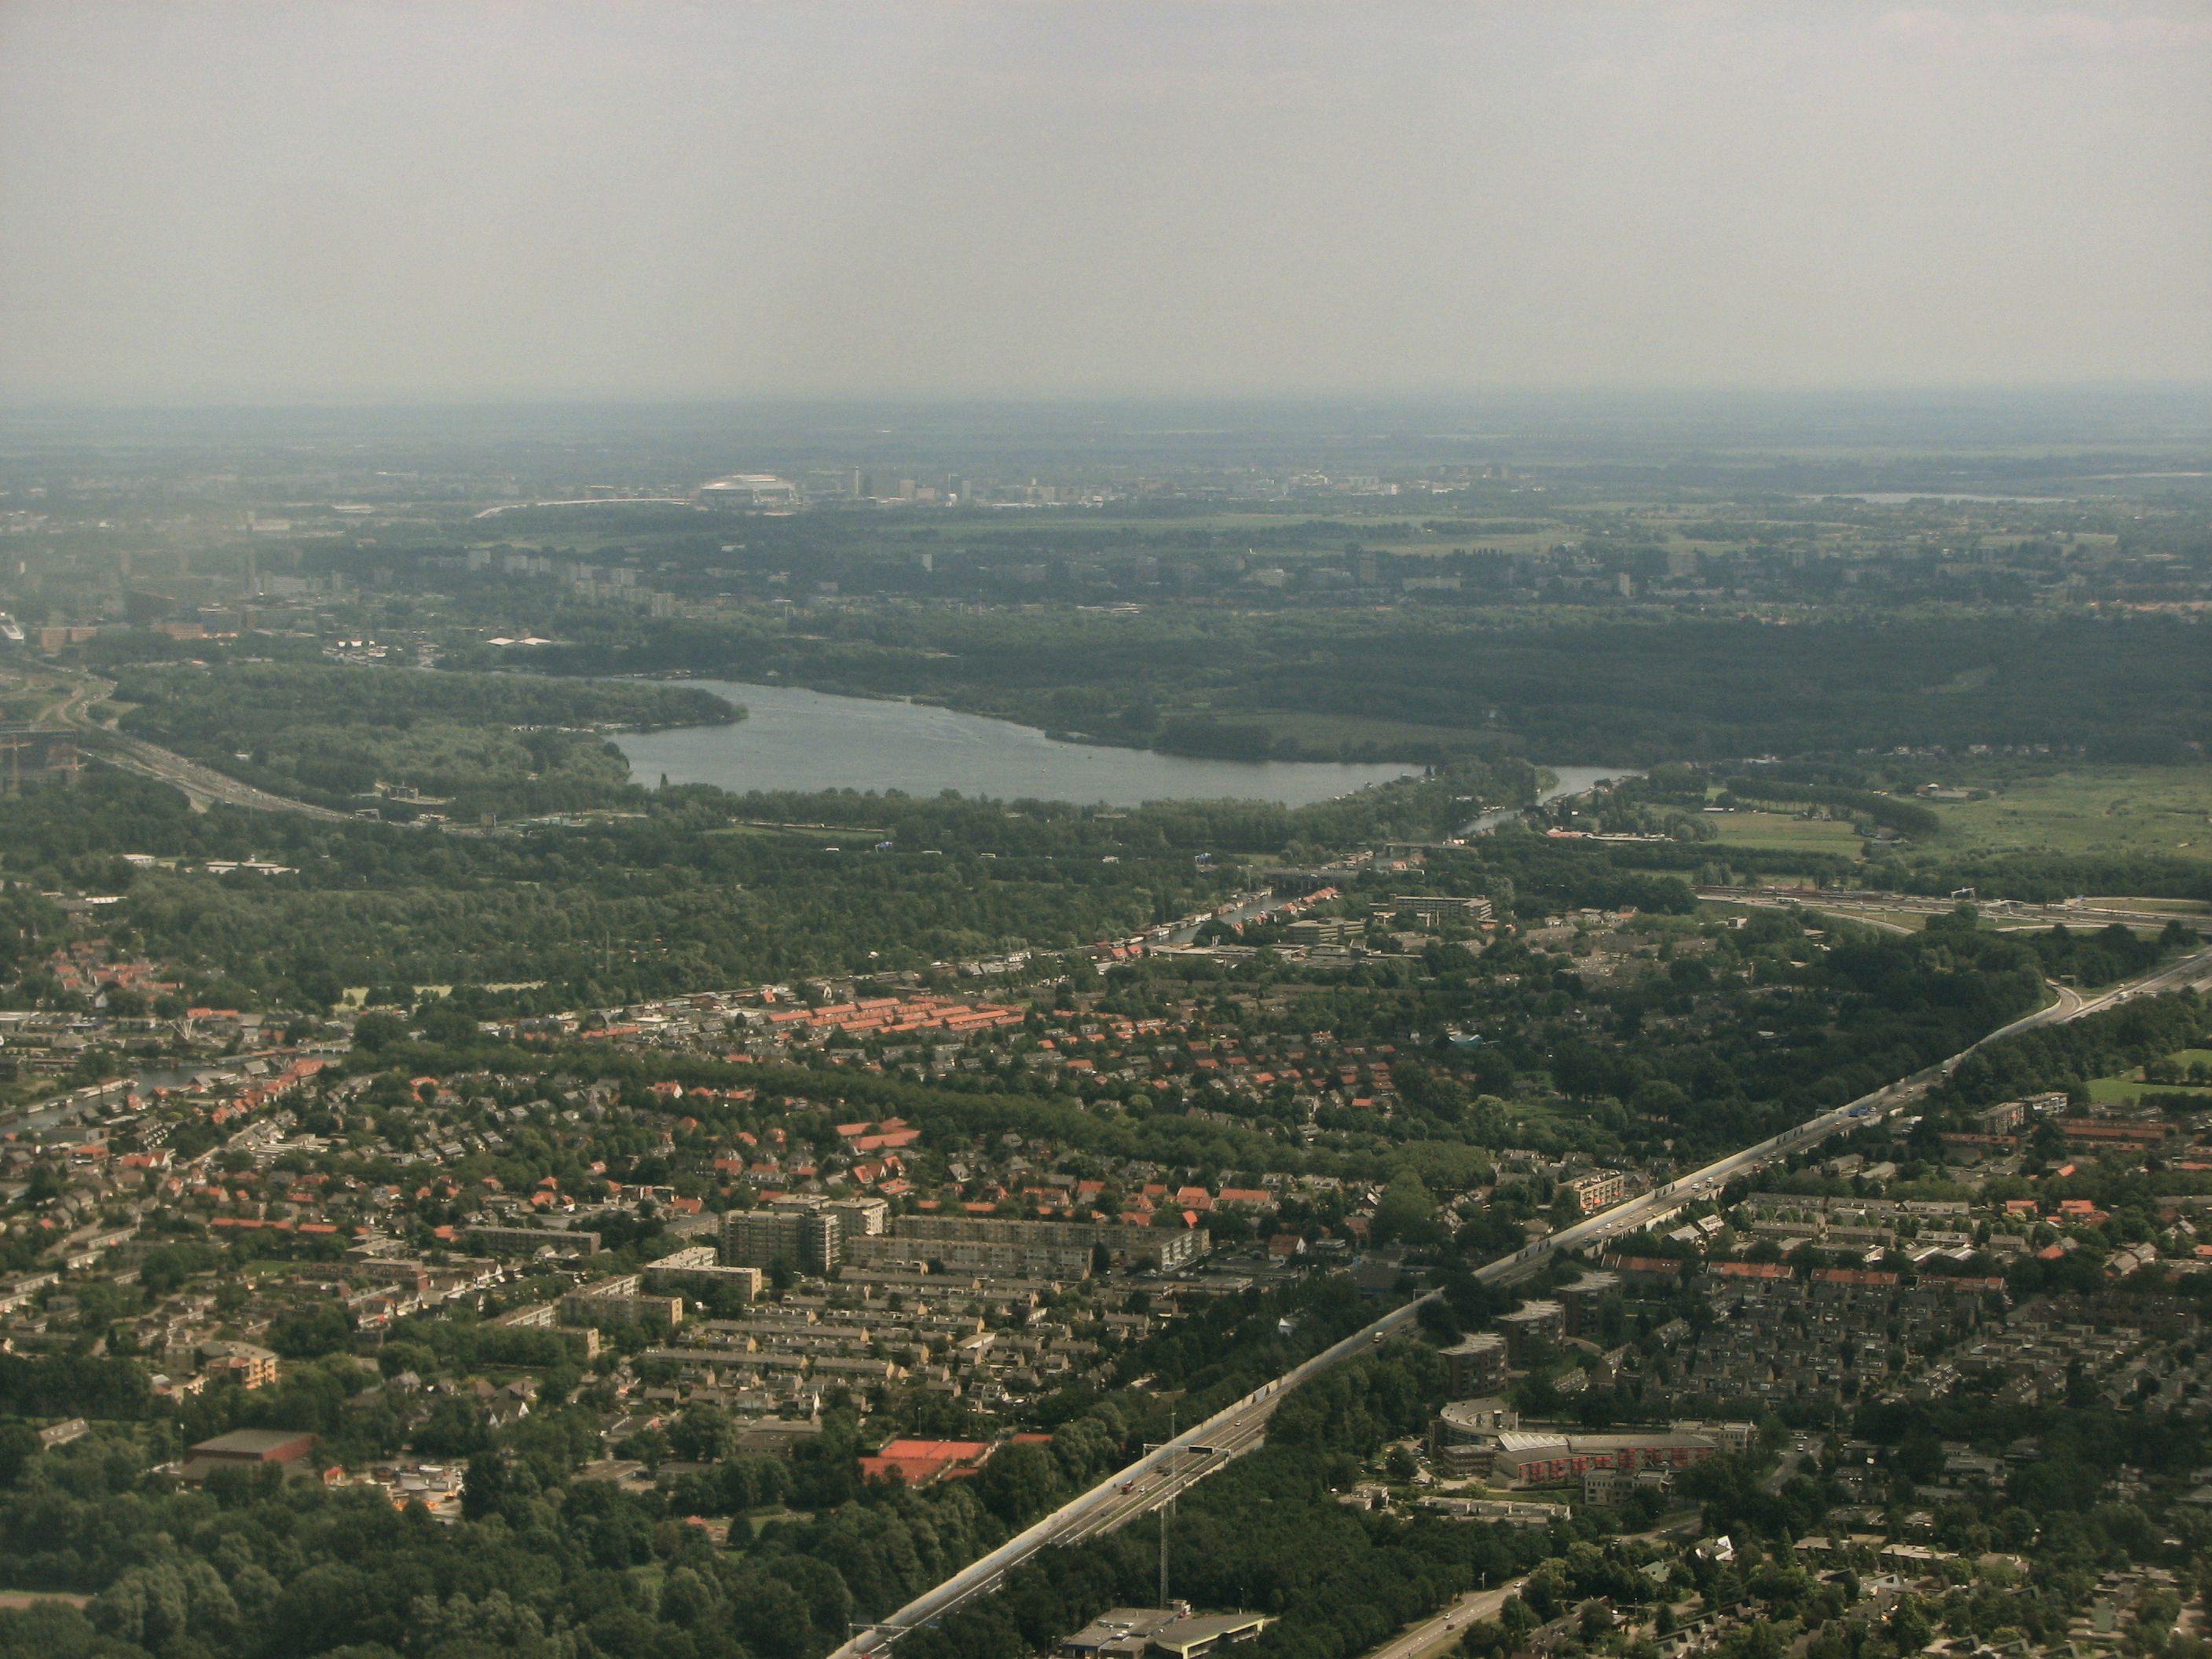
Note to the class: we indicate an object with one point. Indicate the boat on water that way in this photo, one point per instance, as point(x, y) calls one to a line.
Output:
point(10, 630)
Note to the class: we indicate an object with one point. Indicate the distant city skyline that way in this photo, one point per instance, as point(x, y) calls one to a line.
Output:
point(330, 203)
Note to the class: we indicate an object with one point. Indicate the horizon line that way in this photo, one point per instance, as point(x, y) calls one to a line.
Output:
point(1579, 391)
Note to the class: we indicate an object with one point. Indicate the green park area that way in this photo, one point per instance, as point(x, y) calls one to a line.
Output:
point(2162, 809)
point(1789, 832)
point(2187, 1072)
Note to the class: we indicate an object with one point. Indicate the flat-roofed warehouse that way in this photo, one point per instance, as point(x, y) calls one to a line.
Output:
point(248, 1449)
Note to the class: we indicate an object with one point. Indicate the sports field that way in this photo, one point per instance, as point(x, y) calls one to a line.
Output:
point(1785, 832)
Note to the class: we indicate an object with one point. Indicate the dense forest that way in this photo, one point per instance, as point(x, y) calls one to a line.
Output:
point(1561, 691)
point(685, 892)
point(690, 892)
point(474, 743)
point(2063, 1057)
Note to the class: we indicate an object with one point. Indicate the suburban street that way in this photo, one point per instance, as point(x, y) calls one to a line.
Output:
point(1432, 1634)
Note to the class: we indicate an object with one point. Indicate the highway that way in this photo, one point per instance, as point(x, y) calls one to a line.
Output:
point(1145, 1494)
point(2002, 913)
point(201, 784)
point(1158, 1476)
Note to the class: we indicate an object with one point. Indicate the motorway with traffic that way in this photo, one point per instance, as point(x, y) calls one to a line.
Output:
point(201, 784)
point(1157, 1477)
point(1863, 906)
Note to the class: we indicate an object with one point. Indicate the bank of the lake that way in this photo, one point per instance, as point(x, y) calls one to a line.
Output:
point(796, 739)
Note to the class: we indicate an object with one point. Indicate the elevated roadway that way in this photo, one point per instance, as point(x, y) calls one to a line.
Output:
point(2004, 913)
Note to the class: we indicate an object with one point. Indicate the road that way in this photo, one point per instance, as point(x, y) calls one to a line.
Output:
point(1449, 1623)
point(2016, 912)
point(1561, 789)
point(1799, 1447)
point(1446, 1627)
point(1141, 1487)
point(1147, 1494)
point(70, 709)
point(201, 785)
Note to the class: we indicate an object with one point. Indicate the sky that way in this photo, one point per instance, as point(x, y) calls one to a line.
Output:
point(287, 201)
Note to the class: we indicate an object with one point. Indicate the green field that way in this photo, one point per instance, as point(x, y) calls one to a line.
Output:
point(1911, 922)
point(2164, 810)
point(1785, 832)
point(2105, 1090)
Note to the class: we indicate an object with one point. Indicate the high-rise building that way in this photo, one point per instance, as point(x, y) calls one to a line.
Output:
point(809, 1239)
point(1477, 1365)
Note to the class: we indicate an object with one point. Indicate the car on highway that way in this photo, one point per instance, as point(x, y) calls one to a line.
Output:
point(1128, 1486)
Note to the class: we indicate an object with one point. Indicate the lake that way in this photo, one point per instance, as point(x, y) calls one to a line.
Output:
point(801, 740)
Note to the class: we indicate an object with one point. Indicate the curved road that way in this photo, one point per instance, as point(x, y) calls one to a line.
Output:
point(201, 784)
point(1153, 1479)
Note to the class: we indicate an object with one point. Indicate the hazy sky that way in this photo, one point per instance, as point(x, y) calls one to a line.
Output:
point(304, 201)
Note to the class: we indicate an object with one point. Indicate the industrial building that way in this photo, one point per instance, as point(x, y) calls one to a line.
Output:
point(288, 1450)
point(1176, 1633)
point(1536, 1456)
